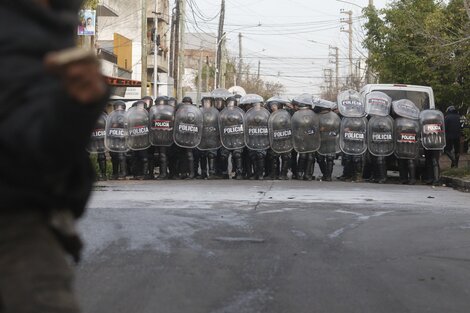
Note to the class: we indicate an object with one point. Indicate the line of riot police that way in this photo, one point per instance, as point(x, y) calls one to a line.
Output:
point(266, 139)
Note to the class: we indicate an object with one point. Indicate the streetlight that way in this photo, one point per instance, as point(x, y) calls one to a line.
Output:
point(218, 43)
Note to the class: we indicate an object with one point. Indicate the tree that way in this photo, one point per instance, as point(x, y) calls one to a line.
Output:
point(422, 42)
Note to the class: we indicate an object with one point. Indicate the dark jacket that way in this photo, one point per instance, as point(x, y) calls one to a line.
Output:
point(43, 132)
point(452, 121)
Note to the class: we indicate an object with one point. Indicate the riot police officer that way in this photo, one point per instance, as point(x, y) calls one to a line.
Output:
point(280, 132)
point(118, 159)
point(256, 133)
point(210, 142)
point(231, 119)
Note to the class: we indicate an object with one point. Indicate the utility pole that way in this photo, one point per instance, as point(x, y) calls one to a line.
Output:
point(350, 32)
point(181, 30)
point(199, 78)
point(369, 72)
point(144, 49)
point(336, 63)
point(259, 67)
point(240, 60)
point(155, 52)
point(219, 41)
point(173, 47)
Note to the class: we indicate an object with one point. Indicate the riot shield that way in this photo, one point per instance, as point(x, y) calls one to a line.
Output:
point(405, 108)
point(188, 126)
point(231, 128)
point(280, 131)
point(210, 130)
point(330, 124)
point(161, 125)
point(406, 138)
point(96, 144)
point(305, 128)
point(432, 129)
point(116, 132)
point(138, 128)
point(380, 136)
point(350, 104)
point(256, 128)
point(353, 134)
point(378, 103)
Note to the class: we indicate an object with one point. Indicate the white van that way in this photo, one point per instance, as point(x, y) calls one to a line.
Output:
point(422, 96)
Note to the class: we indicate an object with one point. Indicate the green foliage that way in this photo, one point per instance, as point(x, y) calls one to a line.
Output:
point(422, 42)
point(461, 172)
point(90, 4)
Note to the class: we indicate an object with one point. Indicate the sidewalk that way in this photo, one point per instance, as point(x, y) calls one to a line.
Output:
point(456, 182)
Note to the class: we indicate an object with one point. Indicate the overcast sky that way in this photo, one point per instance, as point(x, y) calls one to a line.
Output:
point(293, 40)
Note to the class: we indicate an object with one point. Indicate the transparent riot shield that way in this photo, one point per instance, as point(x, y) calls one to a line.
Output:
point(116, 132)
point(231, 128)
point(330, 124)
point(188, 126)
point(280, 131)
point(350, 104)
point(162, 121)
point(406, 138)
point(256, 128)
point(378, 103)
point(432, 129)
point(353, 134)
point(381, 140)
point(138, 128)
point(305, 128)
point(96, 144)
point(210, 130)
point(405, 108)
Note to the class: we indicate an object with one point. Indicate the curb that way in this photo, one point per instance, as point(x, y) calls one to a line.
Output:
point(457, 183)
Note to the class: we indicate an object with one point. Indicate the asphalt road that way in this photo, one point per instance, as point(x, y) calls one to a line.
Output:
point(275, 246)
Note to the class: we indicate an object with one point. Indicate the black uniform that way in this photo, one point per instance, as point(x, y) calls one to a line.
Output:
point(453, 130)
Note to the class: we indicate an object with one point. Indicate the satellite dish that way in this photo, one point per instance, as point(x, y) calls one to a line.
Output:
point(237, 90)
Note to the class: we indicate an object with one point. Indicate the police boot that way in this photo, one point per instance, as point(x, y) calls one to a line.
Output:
point(191, 171)
point(273, 166)
point(301, 164)
point(260, 169)
point(457, 157)
point(381, 172)
point(203, 161)
point(323, 168)
point(328, 170)
point(211, 163)
point(163, 167)
point(308, 174)
point(151, 169)
point(412, 172)
point(403, 171)
point(145, 168)
point(238, 168)
point(284, 170)
point(122, 168)
point(436, 172)
point(357, 177)
point(451, 157)
point(102, 166)
point(115, 164)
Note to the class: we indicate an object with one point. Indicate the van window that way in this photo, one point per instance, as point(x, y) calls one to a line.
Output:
point(421, 99)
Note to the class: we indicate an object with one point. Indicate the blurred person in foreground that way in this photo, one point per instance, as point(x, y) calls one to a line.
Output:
point(47, 110)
